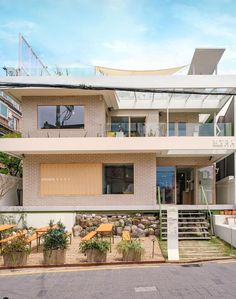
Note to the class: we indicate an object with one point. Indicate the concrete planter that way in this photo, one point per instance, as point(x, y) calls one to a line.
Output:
point(96, 256)
point(54, 257)
point(132, 256)
point(15, 259)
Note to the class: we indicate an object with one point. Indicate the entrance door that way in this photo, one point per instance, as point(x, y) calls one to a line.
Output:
point(206, 185)
point(166, 181)
point(185, 186)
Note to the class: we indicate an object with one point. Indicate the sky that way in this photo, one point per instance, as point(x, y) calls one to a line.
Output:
point(126, 34)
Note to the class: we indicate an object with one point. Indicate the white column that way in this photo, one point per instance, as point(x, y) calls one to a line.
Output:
point(214, 124)
point(167, 122)
point(234, 152)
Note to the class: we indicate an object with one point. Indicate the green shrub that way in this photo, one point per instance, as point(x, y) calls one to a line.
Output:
point(95, 243)
point(55, 238)
point(124, 246)
point(19, 244)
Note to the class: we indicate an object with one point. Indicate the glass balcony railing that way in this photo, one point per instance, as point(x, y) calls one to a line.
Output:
point(135, 130)
point(162, 130)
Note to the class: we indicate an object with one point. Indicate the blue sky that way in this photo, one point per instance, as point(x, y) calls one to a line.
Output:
point(132, 34)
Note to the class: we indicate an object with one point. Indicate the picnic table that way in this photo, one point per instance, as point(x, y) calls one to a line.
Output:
point(40, 231)
point(5, 227)
point(106, 229)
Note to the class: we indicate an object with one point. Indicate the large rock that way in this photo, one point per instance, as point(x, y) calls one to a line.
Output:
point(141, 226)
point(104, 220)
point(146, 232)
point(134, 227)
point(119, 230)
point(83, 233)
point(151, 231)
point(127, 228)
point(77, 230)
point(122, 222)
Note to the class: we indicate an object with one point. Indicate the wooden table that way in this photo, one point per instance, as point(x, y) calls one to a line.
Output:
point(106, 229)
point(4, 227)
point(40, 231)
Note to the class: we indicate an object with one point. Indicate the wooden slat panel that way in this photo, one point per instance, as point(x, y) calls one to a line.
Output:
point(71, 179)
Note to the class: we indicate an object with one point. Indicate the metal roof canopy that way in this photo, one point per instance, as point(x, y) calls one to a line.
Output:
point(205, 61)
point(132, 92)
point(172, 100)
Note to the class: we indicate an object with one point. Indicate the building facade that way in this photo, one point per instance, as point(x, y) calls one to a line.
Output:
point(126, 143)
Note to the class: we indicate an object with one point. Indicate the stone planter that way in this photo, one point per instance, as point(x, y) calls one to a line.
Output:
point(15, 259)
point(96, 256)
point(132, 256)
point(54, 257)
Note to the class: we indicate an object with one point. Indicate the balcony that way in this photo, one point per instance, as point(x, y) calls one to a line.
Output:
point(164, 129)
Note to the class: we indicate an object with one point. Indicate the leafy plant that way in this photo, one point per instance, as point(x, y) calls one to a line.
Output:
point(10, 165)
point(124, 246)
point(55, 238)
point(95, 243)
point(19, 244)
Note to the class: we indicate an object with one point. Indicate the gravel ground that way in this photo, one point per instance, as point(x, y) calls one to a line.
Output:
point(73, 255)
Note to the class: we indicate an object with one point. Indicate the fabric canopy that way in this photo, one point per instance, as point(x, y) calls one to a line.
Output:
point(117, 72)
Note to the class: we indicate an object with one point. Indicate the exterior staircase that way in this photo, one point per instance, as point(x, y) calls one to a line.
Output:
point(192, 225)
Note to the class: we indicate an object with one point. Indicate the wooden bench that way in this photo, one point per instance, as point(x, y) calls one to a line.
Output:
point(126, 236)
point(89, 236)
point(13, 237)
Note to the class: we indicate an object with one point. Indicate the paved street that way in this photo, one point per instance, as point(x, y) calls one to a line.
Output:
point(210, 280)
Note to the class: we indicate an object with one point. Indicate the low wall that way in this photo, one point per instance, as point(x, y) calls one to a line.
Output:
point(225, 231)
point(225, 193)
point(38, 219)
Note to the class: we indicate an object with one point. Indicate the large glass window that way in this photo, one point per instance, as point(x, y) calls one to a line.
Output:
point(118, 179)
point(61, 117)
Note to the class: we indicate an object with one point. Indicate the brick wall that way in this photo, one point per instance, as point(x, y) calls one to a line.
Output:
point(144, 181)
point(95, 116)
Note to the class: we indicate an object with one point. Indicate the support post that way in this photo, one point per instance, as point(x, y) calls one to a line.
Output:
point(214, 124)
point(234, 151)
point(167, 121)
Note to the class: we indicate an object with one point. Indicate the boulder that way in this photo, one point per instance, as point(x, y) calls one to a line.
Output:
point(77, 230)
point(151, 231)
point(104, 220)
point(83, 233)
point(146, 232)
point(119, 230)
point(134, 227)
point(122, 222)
point(140, 225)
point(127, 228)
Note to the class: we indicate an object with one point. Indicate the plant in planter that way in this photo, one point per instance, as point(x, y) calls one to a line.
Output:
point(55, 245)
point(95, 250)
point(16, 252)
point(131, 251)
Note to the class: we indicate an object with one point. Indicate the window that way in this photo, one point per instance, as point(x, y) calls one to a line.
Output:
point(182, 129)
point(61, 117)
point(118, 179)
point(13, 123)
point(128, 126)
point(3, 110)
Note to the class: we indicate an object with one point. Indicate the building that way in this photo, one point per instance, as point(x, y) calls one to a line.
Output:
point(10, 114)
point(113, 142)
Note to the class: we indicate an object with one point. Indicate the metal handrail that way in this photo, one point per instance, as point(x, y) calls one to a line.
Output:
point(208, 209)
point(160, 211)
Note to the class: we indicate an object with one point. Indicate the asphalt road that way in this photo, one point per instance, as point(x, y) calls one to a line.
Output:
point(210, 280)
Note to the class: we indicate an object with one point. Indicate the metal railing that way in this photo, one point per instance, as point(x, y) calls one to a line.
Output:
point(205, 201)
point(160, 211)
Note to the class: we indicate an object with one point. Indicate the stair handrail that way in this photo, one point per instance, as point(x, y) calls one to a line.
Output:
point(208, 208)
point(160, 211)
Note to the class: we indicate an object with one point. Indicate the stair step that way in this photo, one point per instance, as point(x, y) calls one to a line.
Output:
point(189, 227)
point(190, 238)
point(190, 233)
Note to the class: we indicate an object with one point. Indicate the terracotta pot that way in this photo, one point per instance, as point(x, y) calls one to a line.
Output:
point(132, 256)
point(234, 212)
point(222, 212)
point(54, 257)
point(15, 259)
point(96, 256)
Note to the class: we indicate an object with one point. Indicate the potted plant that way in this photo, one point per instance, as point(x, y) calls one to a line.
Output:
point(55, 245)
point(16, 252)
point(131, 251)
point(95, 250)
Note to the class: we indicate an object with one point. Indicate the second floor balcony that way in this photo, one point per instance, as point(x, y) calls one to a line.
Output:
point(142, 129)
